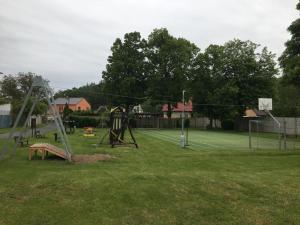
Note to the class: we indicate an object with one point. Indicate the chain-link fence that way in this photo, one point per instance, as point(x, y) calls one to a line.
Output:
point(279, 133)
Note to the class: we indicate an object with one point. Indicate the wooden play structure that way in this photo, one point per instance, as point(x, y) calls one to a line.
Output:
point(45, 149)
point(119, 123)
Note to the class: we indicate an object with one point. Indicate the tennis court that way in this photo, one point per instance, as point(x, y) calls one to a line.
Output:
point(216, 140)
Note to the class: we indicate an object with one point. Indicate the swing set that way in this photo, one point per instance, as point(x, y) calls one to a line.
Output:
point(39, 90)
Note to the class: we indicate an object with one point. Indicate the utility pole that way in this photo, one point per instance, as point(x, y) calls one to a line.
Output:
point(182, 137)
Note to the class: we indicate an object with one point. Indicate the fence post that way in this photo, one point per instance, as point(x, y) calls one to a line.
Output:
point(296, 127)
point(257, 132)
point(250, 146)
point(284, 133)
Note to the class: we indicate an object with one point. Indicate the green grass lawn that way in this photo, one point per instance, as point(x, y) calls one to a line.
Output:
point(7, 130)
point(160, 183)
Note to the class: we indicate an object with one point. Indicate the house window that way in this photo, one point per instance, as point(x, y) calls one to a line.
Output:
point(79, 108)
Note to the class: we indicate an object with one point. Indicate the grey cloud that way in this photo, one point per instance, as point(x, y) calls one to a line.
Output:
point(69, 41)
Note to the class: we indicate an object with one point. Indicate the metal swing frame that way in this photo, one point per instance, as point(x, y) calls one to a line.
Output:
point(42, 86)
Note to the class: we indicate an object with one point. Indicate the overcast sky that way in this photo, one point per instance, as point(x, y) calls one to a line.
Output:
point(68, 41)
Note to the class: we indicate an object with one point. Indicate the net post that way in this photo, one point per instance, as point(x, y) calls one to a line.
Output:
point(250, 141)
point(257, 133)
point(284, 134)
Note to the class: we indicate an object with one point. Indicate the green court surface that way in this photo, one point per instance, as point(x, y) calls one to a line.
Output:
point(221, 140)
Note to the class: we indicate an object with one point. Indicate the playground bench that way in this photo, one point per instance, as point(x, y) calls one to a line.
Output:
point(21, 140)
point(38, 134)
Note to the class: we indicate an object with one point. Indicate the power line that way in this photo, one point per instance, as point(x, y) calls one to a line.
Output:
point(163, 101)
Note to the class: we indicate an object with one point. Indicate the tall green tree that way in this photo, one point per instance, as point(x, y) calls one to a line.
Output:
point(125, 76)
point(290, 59)
point(15, 87)
point(250, 70)
point(228, 78)
point(170, 60)
point(288, 99)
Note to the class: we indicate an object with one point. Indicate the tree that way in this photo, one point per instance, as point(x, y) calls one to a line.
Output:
point(66, 112)
point(290, 59)
point(226, 79)
point(15, 88)
point(288, 100)
point(251, 71)
point(125, 77)
point(93, 93)
point(169, 61)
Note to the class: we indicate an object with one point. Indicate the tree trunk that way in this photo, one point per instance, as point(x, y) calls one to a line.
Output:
point(211, 122)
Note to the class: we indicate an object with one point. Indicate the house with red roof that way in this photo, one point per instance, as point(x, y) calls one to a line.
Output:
point(178, 109)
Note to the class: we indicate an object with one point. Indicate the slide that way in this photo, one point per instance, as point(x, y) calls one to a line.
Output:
point(46, 148)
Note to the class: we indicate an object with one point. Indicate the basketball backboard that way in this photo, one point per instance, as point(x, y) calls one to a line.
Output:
point(265, 104)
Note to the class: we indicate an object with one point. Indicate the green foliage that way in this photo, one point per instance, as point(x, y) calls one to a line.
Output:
point(187, 123)
point(15, 88)
point(150, 106)
point(225, 79)
point(169, 63)
point(93, 93)
point(84, 113)
point(290, 59)
point(85, 121)
point(125, 72)
point(67, 111)
point(288, 102)
point(227, 124)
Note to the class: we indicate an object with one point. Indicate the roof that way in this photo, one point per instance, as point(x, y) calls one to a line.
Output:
point(70, 101)
point(254, 113)
point(188, 107)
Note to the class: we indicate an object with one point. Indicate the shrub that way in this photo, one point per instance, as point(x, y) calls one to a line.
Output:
point(227, 124)
point(85, 121)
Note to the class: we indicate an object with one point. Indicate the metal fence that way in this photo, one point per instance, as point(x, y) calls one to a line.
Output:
point(266, 133)
point(165, 123)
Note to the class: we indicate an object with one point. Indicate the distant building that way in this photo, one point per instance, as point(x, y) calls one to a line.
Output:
point(75, 104)
point(254, 113)
point(5, 116)
point(178, 109)
point(137, 109)
point(242, 123)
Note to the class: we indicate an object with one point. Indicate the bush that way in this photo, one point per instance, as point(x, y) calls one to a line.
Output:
point(227, 124)
point(84, 113)
point(187, 123)
point(85, 121)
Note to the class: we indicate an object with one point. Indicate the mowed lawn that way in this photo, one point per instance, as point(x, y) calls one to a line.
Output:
point(160, 183)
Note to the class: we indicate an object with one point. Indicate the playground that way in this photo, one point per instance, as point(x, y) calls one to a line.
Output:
point(60, 174)
point(159, 183)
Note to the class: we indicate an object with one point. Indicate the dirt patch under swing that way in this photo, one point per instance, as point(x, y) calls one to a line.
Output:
point(91, 158)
